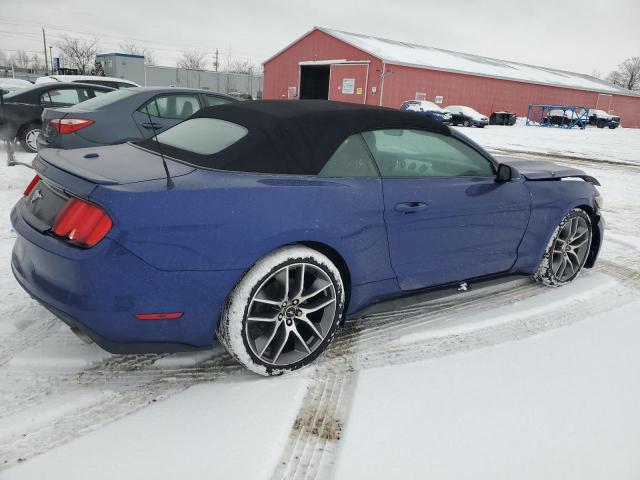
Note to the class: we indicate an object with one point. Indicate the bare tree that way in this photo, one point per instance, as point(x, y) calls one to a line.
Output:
point(242, 66)
point(4, 59)
point(133, 48)
point(627, 75)
point(20, 59)
point(78, 53)
point(192, 60)
point(596, 73)
point(36, 62)
point(615, 78)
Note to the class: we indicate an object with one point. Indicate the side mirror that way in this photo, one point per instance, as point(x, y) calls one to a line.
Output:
point(506, 173)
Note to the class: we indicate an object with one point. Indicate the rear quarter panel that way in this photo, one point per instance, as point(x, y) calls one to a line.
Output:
point(551, 200)
point(225, 221)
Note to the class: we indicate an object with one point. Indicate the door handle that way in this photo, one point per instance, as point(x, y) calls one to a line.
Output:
point(152, 125)
point(410, 207)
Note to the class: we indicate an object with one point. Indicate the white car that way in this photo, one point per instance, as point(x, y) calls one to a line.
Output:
point(466, 116)
point(93, 79)
point(8, 85)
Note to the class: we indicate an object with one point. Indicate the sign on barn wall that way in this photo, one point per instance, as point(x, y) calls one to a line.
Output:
point(348, 86)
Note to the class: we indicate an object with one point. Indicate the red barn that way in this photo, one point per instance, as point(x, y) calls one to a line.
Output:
point(349, 67)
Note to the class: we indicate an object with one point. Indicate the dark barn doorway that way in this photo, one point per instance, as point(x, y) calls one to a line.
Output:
point(314, 82)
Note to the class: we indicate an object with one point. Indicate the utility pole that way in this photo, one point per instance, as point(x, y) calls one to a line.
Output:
point(215, 61)
point(44, 42)
point(51, 57)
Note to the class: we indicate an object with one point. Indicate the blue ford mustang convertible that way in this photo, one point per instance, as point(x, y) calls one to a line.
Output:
point(266, 223)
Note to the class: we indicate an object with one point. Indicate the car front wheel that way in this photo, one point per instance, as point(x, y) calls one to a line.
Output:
point(567, 250)
point(466, 123)
point(284, 311)
point(29, 137)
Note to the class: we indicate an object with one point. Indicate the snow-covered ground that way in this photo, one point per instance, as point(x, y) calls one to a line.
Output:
point(618, 145)
point(507, 381)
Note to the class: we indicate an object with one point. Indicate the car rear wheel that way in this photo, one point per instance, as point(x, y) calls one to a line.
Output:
point(29, 137)
point(284, 311)
point(466, 123)
point(567, 250)
point(600, 123)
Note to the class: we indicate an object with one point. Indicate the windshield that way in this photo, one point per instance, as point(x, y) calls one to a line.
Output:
point(203, 136)
point(107, 99)
point(431, 107)
point(471, 112)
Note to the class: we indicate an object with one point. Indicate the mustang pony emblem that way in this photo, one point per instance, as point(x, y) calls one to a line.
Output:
point(37, 195)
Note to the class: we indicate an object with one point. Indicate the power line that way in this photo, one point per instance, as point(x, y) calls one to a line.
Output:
point(118, 38)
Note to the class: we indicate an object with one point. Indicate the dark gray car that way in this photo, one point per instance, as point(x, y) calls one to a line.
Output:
point(121, 116)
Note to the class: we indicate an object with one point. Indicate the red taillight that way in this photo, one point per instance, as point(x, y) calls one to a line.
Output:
point(32, 185)
point(81, 223)
point(70, 125)
point(159, 316)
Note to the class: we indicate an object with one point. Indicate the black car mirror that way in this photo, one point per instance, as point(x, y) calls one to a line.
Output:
point(506, 173)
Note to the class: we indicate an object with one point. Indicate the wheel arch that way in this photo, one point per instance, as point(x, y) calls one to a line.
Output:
point(337, 259)
point(596, 235)
point(21, 128)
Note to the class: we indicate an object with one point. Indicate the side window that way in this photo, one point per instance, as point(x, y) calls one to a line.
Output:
point(418, 153)
point(172, 106)
point(63, 97)
point(351, 159)
point(97, 93)
point(212, 100)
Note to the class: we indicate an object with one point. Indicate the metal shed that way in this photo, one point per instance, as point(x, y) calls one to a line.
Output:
point(337, 65)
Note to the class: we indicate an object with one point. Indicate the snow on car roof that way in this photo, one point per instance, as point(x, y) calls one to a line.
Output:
point(79, 78)
point(403, 53)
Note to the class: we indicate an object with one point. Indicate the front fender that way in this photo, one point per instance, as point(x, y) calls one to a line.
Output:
point(551, 201)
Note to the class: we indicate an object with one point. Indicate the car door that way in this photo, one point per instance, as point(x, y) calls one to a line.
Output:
point(164, 111)
point(447, 217)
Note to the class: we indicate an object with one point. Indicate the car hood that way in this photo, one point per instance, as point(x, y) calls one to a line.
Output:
point(112, 165)
point(545, 170)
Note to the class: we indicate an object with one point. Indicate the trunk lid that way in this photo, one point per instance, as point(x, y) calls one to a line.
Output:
point(110, 165)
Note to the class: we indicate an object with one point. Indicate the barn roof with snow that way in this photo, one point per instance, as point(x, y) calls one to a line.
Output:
point(410, 54)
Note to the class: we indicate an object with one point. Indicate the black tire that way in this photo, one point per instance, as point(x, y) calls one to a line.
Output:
point(600, 123)
point(235, 330)
point(481, 126)
point(611, 127)
point(560, 245)
point(28, 137)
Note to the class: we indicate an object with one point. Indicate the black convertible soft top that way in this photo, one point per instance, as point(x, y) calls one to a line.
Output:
point(293, 137)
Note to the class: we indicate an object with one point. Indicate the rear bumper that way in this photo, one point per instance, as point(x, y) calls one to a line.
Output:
point(65, 142)
point(99, 290)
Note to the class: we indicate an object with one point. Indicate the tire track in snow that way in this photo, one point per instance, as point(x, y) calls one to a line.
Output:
point(316, 432)
point(134, 385)
point(310, 450)
point(314, 439)
point(35, 332)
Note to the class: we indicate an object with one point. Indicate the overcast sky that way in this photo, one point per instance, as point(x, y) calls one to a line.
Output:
point(580, 36)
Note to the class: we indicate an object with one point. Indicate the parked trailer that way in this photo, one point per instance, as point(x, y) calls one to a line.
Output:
point(562, 116)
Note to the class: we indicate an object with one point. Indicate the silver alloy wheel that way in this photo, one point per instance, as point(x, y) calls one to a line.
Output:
point(290, 314)
point(31, 138)
point(466, 123)
point(570, 248)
